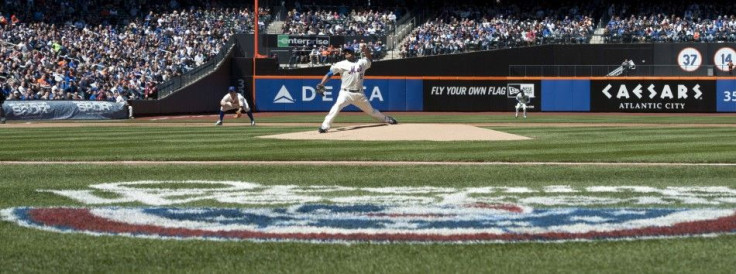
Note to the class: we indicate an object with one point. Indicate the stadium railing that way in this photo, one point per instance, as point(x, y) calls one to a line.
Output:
point(606, 70)
point(176, 83)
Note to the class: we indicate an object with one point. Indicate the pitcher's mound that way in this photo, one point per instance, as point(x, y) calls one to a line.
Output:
point(403, 132)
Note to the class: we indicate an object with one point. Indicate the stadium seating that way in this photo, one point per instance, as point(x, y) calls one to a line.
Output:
point(63, 55)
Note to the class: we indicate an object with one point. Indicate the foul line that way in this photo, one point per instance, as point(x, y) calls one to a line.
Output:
point(356, 163)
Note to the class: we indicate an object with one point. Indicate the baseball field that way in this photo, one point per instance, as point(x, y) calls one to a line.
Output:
point(579, 193)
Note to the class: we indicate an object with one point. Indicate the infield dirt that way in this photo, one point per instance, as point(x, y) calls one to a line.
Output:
point(404, 132)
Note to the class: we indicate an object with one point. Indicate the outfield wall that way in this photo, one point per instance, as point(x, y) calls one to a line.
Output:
point(670, 78)
point(686, 77)
point(602, 94)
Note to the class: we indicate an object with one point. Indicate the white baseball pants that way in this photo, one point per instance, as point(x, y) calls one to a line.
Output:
point(357, 99)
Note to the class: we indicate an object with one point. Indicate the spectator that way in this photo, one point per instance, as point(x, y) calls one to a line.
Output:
point(314, 55)
point(151, 92)
point(324, 55)
point(293, 59)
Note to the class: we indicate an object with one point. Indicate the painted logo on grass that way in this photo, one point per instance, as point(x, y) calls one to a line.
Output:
point(399, 214)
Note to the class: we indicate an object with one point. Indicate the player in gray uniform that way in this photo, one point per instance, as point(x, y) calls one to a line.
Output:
point(2, 111)
point(522, 99)
point(351, 71)
point(234, 100)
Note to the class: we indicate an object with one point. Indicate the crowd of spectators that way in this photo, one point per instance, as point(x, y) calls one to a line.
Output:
point(322, 21)
point(329, 54)
point(675, 22)
point(65, 57)
point(461, 28)
point(100, 49)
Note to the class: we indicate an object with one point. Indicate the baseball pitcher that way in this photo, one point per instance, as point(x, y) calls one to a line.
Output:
point(234, 100)
point(351, 71)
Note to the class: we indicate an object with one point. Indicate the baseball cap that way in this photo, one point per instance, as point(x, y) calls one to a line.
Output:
point(231, 88)
point(348, 49)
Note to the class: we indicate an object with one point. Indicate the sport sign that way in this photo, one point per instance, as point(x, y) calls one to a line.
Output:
point(423, 214)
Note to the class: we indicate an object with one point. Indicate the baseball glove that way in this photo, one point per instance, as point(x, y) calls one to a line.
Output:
point(238, 113)
point(321, 89)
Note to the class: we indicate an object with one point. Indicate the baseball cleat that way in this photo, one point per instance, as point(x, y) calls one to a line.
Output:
point(391, 120)
point(322, 130)
point(218, 123)
point(252, 123)
point(2, 121)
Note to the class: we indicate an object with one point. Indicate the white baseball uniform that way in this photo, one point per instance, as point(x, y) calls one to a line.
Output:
point(351, 90)
point(227, 102)
point(120, 99)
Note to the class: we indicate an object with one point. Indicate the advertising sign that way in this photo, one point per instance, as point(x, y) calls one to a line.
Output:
point(726, 95)
point(300, 95)
point(478, 95)
point(663, 96)
point(285, 40)
point(64, 110)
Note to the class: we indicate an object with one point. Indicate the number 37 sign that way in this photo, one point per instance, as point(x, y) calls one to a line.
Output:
point(689, 59)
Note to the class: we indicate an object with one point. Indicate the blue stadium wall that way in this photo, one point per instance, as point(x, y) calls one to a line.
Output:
point(603, 94)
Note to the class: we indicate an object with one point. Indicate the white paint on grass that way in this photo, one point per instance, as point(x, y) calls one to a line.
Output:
point(157, 193)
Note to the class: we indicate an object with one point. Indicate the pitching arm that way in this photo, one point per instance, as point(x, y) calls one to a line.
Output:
point(325, 78)
point(367, 52)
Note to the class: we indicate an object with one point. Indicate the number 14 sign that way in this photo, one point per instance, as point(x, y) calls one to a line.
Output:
point(722, 57)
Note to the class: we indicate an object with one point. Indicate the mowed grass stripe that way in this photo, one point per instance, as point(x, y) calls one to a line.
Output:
point(626, 144)
point(464, 117)
point(575, 144)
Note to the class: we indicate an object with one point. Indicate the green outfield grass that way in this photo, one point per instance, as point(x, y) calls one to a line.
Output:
point(496, 117)
point(31, 250)
point(555, 144)
point(454, 117)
